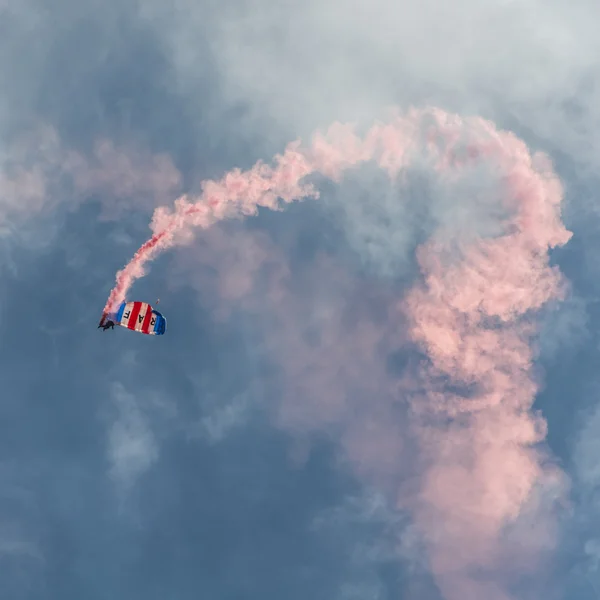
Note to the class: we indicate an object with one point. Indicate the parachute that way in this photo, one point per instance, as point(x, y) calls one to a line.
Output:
point(137, 316)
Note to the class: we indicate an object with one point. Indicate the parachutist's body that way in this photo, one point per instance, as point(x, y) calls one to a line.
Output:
point(108, 325)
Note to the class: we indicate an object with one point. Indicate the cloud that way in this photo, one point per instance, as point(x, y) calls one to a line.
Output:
point(28, 165)
point(305, 64)
point(582, 532)
point(565, 327)
point(40, 174)
point(64, 139)
point(18, 547)
point(367, 527)
point(587, 446)
point(132, 446)
point(222, 417)
point(124, 175)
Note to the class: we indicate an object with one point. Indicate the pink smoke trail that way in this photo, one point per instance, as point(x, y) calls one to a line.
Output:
point(242, 193)
point(393, 145)
point(470, 315)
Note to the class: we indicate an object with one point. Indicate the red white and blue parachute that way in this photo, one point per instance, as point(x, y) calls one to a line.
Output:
point(137, 316)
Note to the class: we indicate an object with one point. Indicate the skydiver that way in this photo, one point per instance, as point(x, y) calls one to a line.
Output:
point(109, 324)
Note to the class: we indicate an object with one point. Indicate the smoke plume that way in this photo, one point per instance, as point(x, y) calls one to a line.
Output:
point(470, 400)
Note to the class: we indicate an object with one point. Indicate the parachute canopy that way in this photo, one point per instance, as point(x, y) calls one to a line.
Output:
point(140, 316)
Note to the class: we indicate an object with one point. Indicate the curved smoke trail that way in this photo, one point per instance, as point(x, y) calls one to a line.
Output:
point(470, 315)
point(392, 145)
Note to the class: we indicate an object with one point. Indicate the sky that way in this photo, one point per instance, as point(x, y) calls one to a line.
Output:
point(382, 390)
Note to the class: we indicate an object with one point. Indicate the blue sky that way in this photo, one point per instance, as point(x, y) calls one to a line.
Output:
point(136, 467)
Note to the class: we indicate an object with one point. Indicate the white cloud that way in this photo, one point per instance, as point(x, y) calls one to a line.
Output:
point(565, 326)
point(374, 534)
point(221, 415)
point(587, 450)
point(39, 173)
point(306, 63)
point(132, 446)
point(216, 425)
point(19, 547)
